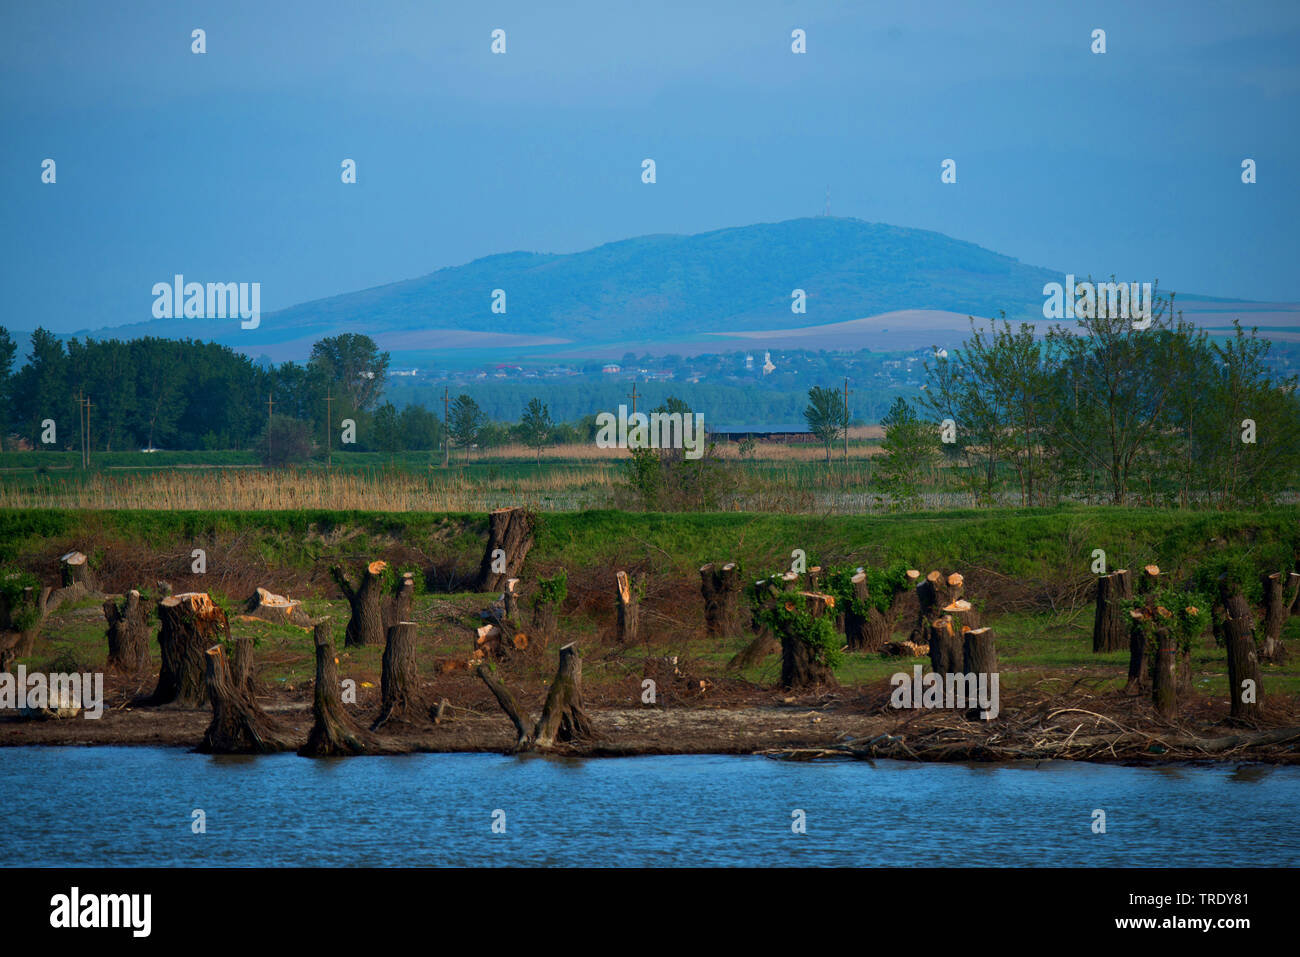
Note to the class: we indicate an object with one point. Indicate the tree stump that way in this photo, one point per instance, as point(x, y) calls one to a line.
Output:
point(366, 600)
point(400, 683)
point(277, 609)
point(945, 647)
point(855, 625)
point(241, 667)
point(628, 606)
point(545, 622)
point(800, 667)
point(191, 624)
point(979, 652)
point(813, 578)
point(1277, 609)
point(334, 733)
point(1137, 654)
point(963, 614)
point(1110, 629)
point(563, 717)
point(720, 586)
point(1148, 579)
point(75, 570)
point(510, 600)
point(1245, 691)
point(128, 633)
point(1164, 675)
point(510, 531)
point(238, 725)
point(399, 605)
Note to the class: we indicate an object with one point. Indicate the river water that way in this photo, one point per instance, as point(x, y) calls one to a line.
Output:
point(119, 806)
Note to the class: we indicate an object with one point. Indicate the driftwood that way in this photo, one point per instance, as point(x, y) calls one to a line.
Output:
point(563, 719)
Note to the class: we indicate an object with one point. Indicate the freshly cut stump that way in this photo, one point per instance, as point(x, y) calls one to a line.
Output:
point(191, 624)
point(1109, 628)
point(720, 587)
point(277, 609)
point(74, 569)
point(628, 605)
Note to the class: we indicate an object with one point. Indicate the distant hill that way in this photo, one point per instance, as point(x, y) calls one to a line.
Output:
point(672, 292)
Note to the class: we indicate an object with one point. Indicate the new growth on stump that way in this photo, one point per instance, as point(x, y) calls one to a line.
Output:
point(804, 623)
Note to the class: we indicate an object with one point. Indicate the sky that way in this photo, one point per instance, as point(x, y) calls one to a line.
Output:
point(225, 166)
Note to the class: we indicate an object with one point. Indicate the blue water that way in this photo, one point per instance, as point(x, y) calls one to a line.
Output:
point(133, 806)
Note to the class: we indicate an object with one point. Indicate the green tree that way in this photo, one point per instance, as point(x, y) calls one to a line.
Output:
point(388, 433)
point(354, 364)
point(465, 423)
point(536, 427)
point(8, 349)
point(825, 416)
point(909, 453)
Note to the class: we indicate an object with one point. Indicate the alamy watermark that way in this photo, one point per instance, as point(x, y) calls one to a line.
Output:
point(658, 430)
point(60, 692)
point(953, 690)
point(1088, 300)
point(215, 300)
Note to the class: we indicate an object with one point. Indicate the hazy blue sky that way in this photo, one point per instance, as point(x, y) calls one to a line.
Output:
point(225, 166)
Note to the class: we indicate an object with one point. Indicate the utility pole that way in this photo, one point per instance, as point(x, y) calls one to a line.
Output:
point(329, 425)
point(446, 427)
point(81, 426)
point(269, 406)
point(846, 418)
point(87, 431)
point(633, 397)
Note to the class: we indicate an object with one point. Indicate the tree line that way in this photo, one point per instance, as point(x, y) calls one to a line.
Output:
point(1102, 411)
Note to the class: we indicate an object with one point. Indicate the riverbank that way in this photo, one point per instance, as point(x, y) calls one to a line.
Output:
point(1070, 725)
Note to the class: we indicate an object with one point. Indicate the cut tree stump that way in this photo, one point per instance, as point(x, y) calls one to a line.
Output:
point(191, 624)
point(627, 627)
point(979, 652)
point(334, 733)
point(238, 725)
point(399, 604)
point(964, 616)
point(1148, 579)
point(1164, 675)
point(510, 536)
point(241, 667)
point(510, 600)
point(277, 609)
point(945, 647)
point(855, 625)
point(1277, 609)
point(128, 633)
point(563, 719)
point(399, 684)
point(1245, 691)
point(75, 570)
point(1110, 628)
point(799, 665)
point(33, 607)
point(545, 623)
point(1137, 654)
point(366, 600)
point(720, 586)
